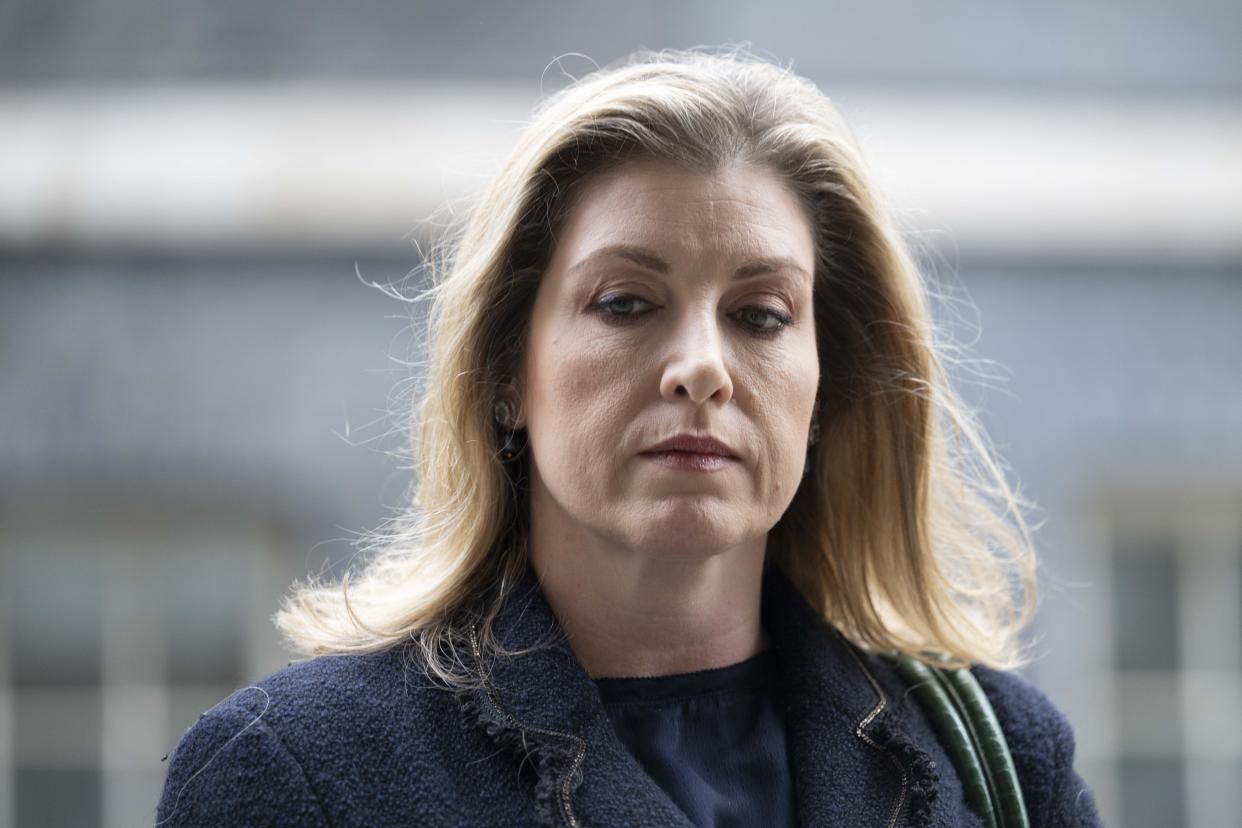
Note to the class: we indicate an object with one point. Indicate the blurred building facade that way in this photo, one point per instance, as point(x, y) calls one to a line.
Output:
point(199, 386)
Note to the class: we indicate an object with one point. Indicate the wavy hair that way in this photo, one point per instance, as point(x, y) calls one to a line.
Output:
point(905, 536)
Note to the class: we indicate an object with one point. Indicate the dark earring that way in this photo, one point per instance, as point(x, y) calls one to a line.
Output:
point(512, 447)
point(513, 442)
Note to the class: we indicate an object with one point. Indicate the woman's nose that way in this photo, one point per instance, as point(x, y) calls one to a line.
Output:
point(695, 365)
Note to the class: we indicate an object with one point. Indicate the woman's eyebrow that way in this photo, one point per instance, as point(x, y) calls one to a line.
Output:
point(774, 264)
point(640, 256)
point(649, 260)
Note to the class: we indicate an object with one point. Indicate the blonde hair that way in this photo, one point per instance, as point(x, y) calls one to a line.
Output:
point(905, 536)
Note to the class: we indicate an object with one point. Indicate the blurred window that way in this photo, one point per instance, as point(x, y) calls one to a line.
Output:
point(1152, 792)
point(1145, 574)
point(204, 601)
point(58, 796)
point(115, 635)
point(54, 594)
point(1177, 666)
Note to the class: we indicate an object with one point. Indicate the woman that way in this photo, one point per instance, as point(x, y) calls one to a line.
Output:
point(687, 463)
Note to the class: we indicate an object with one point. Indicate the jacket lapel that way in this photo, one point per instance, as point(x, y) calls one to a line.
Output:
point(545, 710)
point(852, 763)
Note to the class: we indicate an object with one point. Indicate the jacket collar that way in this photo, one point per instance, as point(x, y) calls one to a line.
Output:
point(851, 761)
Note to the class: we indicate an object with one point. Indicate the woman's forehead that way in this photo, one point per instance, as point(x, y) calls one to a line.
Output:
point(653, 213)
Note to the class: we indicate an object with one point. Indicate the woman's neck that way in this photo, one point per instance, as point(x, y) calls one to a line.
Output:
point(627, 614)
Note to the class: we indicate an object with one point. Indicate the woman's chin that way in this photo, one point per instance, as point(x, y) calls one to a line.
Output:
point(690, 528)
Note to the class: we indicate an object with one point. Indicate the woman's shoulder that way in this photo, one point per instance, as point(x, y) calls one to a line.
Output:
point(329, 691)
point(283, 747)
point(1039, 736)
point(1032, 723)
point(1042, 744)
point(328, 681)
point(1029, 718)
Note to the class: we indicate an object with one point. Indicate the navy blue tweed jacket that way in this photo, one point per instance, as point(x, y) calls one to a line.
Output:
point(371, 741)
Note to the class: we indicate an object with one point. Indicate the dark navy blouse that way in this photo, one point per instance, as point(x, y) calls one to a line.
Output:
point(713, 740)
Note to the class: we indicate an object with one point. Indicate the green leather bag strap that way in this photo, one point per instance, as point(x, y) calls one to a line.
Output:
point(954, 737)
point(992, 745)
point(962, 716)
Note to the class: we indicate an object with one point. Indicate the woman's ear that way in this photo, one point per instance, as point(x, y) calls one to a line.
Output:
point(508, 410)
point(517, 389)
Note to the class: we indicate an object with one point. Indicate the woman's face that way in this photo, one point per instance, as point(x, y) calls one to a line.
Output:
point(676, 303)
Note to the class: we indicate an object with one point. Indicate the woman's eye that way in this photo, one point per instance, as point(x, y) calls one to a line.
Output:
point(621, 306)
point(764, 320)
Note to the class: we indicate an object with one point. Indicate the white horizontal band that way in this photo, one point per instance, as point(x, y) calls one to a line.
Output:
point(335, 167)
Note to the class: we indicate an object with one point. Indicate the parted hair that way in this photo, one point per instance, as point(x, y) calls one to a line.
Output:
point(905, 535)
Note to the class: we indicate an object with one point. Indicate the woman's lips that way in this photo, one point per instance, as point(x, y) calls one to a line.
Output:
point(690, 460)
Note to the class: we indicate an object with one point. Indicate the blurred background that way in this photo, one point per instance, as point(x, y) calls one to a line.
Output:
point(201, 392)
